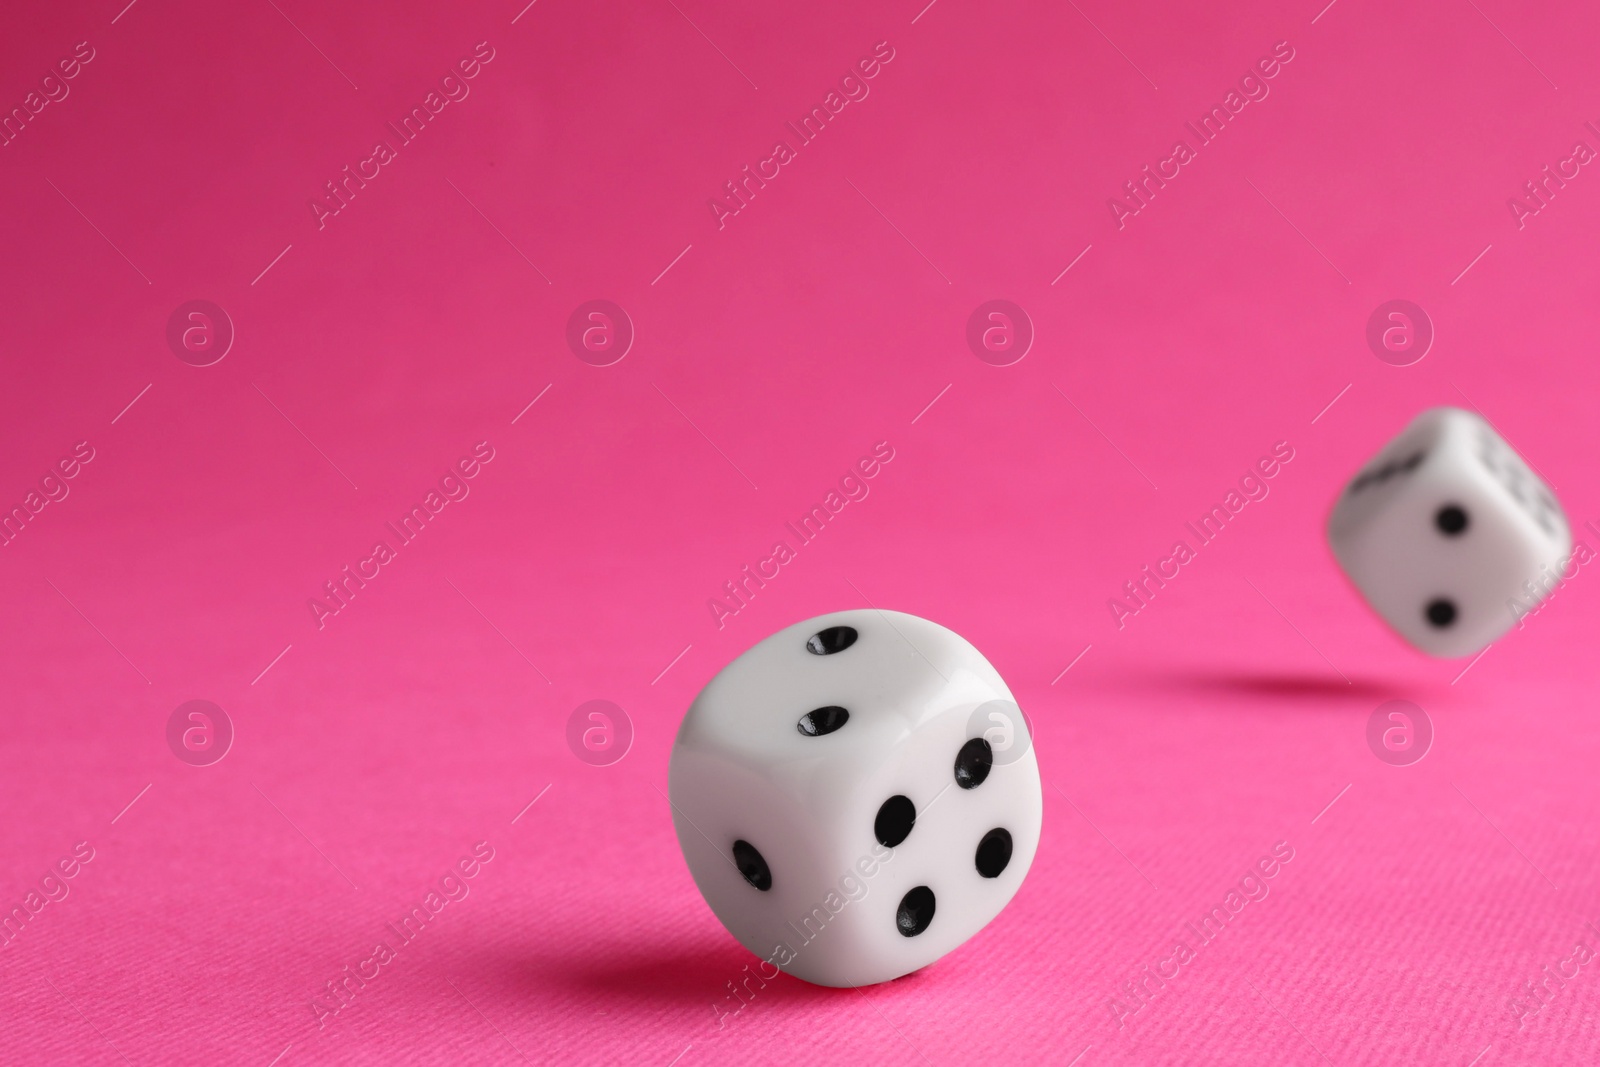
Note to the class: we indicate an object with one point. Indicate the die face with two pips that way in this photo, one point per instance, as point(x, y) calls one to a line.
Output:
point(1444, 530)
point(845, 803)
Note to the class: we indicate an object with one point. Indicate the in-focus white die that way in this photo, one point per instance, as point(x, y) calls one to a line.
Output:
point(1446, 531)
point(856, 796)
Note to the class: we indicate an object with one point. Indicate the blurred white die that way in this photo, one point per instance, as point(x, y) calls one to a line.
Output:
point(1447, 531)
point(856, 796)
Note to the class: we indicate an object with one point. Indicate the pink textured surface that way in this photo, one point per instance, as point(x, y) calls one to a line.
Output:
point(824, 317)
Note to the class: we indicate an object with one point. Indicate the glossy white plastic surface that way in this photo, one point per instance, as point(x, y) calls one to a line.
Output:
point(1386, 532)
point(743, 771)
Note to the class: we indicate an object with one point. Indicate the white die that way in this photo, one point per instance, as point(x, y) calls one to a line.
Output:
point(1447, 533)
point(856, 796)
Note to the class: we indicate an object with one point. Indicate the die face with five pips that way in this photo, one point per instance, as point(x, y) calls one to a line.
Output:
point(1447, 531)
point(856, 796)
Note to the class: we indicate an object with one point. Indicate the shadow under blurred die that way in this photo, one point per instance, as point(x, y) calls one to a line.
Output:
point(1447, 533)
point(856, 796)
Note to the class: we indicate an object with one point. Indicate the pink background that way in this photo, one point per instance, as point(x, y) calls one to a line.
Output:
point(823, 318)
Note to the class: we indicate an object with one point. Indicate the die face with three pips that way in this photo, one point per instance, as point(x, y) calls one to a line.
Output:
point(1447, 531)
point(856, 796)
